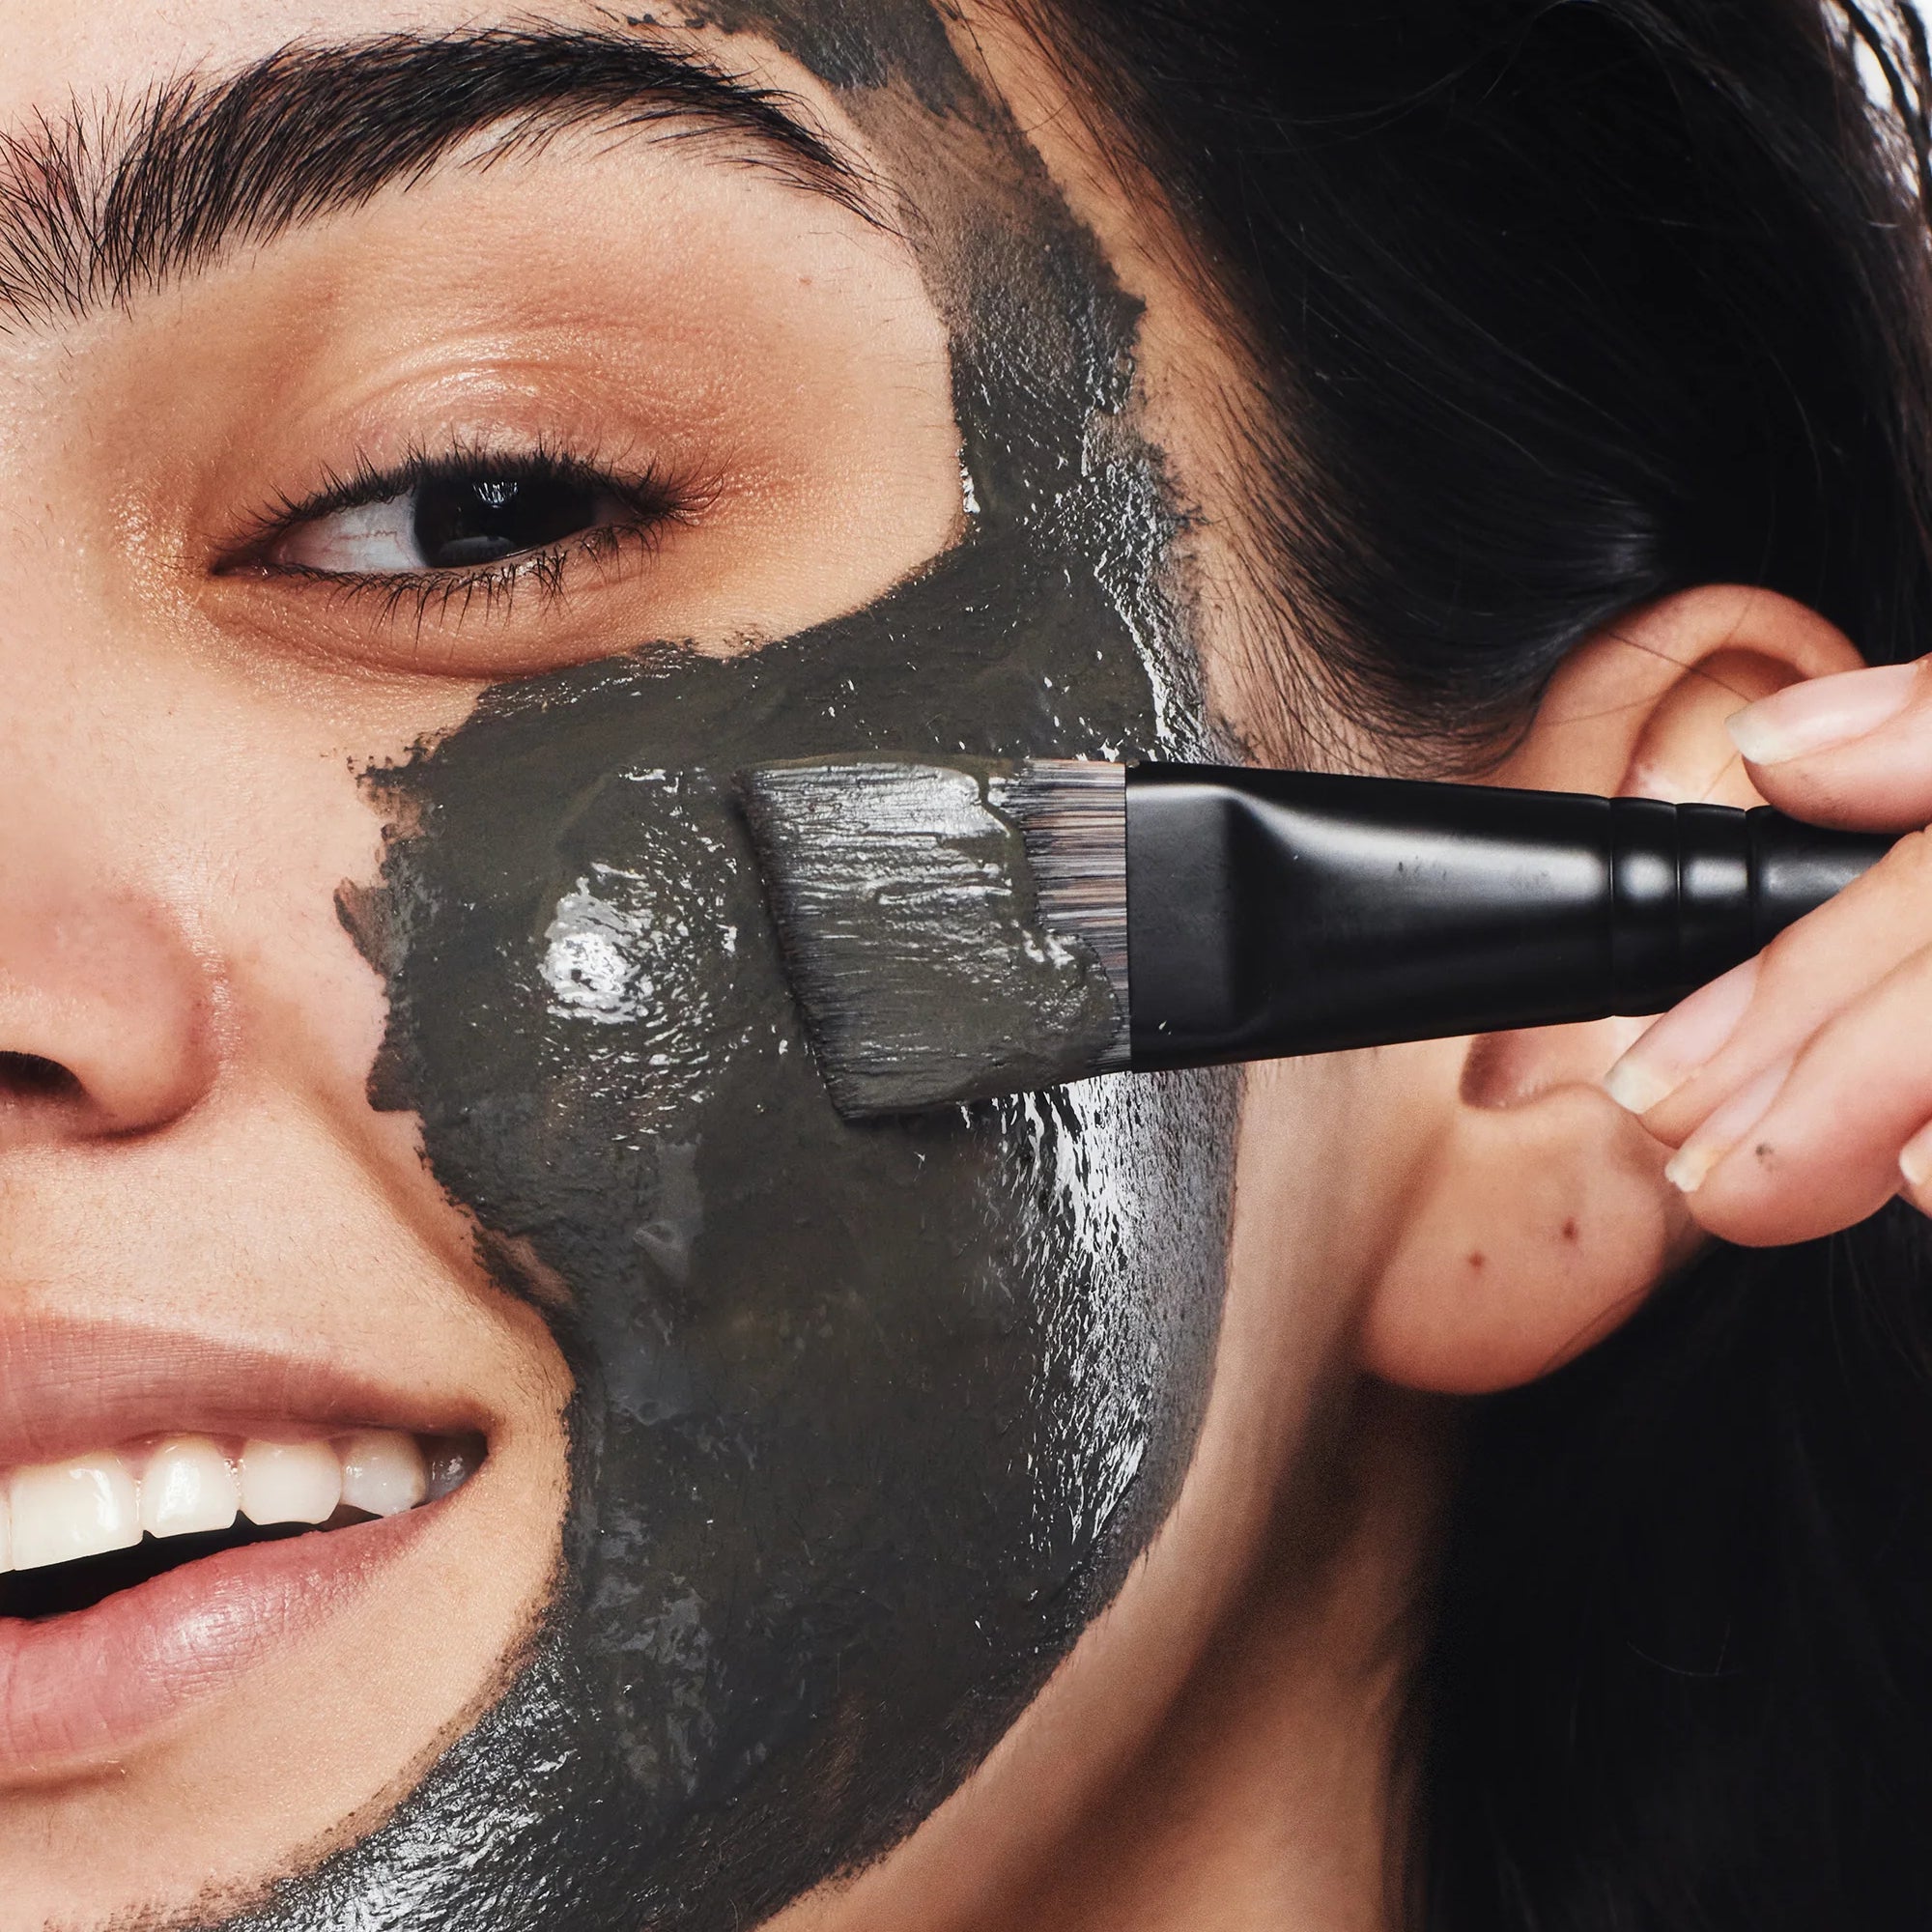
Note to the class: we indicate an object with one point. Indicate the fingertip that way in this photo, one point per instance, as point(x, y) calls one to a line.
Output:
point(1914, 1166)
point(1757, 738)
point(1690, 1165)
point(1636, 1087)
point(1820, 713)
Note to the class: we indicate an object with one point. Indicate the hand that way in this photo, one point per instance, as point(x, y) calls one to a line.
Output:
point(1797, 1090)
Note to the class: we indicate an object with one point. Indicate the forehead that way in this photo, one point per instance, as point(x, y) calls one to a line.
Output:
point(101, 54)
point(138, 143)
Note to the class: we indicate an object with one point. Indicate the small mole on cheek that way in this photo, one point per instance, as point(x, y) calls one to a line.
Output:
point(1569, 1231)
point(1475, 1259)
point(1762, 1151)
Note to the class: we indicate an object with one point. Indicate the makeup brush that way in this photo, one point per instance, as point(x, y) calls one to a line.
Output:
point(961, 929)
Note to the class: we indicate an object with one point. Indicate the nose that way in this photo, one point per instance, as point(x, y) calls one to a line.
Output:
point(106, 1013)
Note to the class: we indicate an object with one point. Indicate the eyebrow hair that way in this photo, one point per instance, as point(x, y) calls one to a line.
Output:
point(101, 206)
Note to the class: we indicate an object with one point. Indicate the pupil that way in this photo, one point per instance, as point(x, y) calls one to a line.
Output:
point(462, 521)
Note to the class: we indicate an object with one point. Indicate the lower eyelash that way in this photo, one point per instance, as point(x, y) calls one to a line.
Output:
point(414, 596)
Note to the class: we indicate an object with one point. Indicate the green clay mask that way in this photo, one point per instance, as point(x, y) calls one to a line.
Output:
point(870, 1421)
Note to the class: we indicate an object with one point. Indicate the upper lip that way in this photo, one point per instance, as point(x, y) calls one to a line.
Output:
point(67, 1387)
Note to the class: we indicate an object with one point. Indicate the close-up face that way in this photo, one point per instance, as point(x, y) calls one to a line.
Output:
point(435, 459)
point(537, 550)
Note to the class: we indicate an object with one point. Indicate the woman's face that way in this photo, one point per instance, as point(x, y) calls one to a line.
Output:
point(431, 463)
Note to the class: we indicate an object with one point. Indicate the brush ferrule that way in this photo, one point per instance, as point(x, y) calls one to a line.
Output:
point(1072, 816)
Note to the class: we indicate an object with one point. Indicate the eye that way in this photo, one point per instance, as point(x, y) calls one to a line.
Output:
point(446, 523)
point(457, 515)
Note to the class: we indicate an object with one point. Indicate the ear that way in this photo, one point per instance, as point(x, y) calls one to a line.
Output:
point(1538, 1217)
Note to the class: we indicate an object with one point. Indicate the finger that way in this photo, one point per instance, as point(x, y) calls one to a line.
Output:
point(1915, 1169)
point(1853, 749)
point(1712, 1045)
point(1806, 1150)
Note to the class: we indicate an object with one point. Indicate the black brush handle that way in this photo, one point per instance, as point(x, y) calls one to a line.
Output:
point(1274, 913)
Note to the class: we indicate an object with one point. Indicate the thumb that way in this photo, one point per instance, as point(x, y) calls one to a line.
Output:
point(1852, 750)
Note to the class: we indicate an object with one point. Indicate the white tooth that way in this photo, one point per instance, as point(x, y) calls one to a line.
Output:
point(381, 1471)
point(187, 1486)
point(290, 1481)
point(79, 1508)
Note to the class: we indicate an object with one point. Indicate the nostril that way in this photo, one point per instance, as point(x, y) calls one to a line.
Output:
point(27, 1076)
point(106, 1006)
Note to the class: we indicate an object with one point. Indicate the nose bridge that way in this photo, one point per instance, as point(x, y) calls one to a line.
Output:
point(107, 998)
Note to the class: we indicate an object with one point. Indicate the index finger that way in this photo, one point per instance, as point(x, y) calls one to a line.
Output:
point(1853, 749)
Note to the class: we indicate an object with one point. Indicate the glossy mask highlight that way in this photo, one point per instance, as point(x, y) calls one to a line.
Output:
point(870, 1421)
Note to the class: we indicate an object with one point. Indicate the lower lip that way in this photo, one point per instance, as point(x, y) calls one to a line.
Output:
point(84, 1687)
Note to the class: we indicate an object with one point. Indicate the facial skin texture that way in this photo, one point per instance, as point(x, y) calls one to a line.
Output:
point(867, 1424)
point(851, 1491)
point(793, 1619)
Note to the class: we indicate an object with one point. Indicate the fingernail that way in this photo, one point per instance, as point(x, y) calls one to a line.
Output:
point(1915, 1159)
point(1821, 712)
point(1681, 1041)
point(1728, 1127)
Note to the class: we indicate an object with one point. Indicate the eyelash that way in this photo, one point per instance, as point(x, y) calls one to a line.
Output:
point(658, 504)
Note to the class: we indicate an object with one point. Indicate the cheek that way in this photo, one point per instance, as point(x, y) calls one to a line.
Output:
point(869, 1419)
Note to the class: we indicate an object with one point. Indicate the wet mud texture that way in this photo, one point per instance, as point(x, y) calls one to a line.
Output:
point(914, 938)
point(870, 1420)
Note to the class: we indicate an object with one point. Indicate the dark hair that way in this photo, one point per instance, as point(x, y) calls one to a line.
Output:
point(1565, 304)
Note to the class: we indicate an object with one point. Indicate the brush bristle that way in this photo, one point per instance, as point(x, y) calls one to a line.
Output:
point(951, 931)
point(1072, 814)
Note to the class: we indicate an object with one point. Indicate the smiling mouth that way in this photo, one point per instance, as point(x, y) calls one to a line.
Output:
point(76, 1532)
point(241, 1500)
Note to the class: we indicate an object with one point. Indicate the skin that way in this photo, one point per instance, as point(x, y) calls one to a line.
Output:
point(1796, 1089)
point(1016, 1518)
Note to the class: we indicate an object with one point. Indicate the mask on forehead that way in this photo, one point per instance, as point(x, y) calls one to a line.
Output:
point(869, 1420)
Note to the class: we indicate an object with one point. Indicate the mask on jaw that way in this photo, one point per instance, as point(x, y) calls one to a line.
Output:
point(870, 1421)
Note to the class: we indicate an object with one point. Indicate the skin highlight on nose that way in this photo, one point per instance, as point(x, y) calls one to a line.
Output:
point(106, 1015)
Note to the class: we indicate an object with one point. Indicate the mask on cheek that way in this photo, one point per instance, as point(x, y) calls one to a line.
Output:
point(869, 1420)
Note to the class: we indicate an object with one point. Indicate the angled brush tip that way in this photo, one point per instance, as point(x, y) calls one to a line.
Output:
point(910, 918)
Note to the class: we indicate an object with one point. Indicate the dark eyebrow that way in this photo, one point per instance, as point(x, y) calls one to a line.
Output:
point(97, 206)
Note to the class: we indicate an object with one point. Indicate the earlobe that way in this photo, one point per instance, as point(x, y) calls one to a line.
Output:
point(1538, 1228)
point(1540, 1218)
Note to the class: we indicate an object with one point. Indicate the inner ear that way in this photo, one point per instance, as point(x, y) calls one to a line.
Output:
point(1683, 751)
